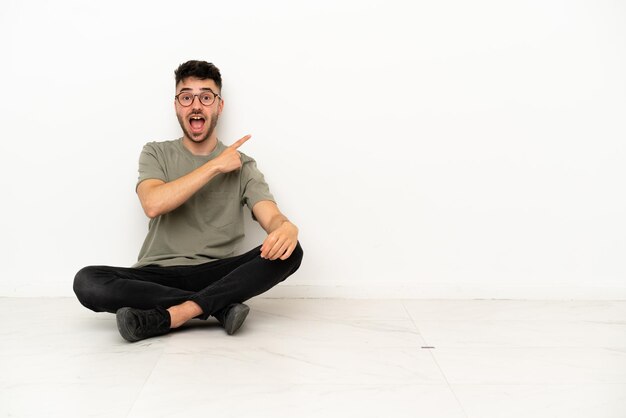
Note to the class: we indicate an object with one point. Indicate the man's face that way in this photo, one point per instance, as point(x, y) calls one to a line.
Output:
point(197, 120)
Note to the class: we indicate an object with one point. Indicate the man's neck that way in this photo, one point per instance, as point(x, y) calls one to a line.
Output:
point(202, 148)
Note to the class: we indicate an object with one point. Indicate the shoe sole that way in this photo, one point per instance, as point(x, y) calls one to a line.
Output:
point(120, 317)
point(235, 318)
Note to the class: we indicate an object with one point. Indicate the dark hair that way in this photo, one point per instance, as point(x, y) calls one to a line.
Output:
point(199, 69)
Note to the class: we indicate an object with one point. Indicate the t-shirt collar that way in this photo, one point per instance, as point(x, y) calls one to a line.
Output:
point(216, 151)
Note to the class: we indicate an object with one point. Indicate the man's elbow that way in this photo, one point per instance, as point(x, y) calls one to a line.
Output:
point(151, 210)
point(151, 213)
point(149, 198)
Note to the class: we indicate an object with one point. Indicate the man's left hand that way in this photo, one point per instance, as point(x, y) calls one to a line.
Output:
point(281, 242)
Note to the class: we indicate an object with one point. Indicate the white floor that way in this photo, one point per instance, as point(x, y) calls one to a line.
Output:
point(322, 358)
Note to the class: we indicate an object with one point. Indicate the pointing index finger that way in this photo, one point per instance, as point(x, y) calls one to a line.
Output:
point(240, 142)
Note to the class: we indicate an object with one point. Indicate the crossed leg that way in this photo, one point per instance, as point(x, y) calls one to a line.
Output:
point(185, 291)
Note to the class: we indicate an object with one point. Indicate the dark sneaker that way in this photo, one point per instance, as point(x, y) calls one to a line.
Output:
point(232, 317)
point(137, 324)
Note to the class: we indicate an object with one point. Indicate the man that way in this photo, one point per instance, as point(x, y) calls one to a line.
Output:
point(193, 190)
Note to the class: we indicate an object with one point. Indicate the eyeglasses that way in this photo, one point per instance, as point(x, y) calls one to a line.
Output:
point(186, 98)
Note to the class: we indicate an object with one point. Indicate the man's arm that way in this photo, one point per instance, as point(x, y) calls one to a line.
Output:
point(158, 197)
point(282, 235)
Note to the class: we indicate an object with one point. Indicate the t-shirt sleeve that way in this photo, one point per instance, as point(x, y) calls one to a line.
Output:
point(149, 165)
point(254, 188)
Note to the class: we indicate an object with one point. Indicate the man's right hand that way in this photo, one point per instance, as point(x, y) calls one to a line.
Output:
point(230, 159)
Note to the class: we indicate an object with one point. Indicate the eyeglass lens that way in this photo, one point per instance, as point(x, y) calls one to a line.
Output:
point(206, 98)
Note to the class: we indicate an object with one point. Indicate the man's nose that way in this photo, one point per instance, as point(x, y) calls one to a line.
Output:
point(196, 103)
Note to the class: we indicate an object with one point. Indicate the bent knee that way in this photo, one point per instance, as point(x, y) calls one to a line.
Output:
point(295, 259)
point(85, 285)
point(82, 279)
point(297, 252)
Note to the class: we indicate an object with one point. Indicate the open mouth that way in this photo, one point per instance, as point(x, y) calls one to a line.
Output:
point(197, 123)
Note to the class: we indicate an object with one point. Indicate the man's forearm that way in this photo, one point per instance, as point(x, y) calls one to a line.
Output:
point(282, 235)
point(166, 197)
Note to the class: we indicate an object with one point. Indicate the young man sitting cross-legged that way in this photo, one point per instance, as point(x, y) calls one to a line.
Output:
point(193, 190)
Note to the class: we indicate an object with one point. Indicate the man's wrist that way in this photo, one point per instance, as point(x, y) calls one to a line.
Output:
point(277, 222)
point(290, 224)
point(212, 168)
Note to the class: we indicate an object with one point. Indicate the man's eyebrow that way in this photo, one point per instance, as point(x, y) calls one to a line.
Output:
point(201, 89)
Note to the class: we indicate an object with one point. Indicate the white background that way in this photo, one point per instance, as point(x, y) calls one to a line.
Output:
point(437, 149)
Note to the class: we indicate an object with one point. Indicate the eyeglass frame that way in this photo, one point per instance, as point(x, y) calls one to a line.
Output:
point(198, 96)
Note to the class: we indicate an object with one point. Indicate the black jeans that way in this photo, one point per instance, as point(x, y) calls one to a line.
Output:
point(213, 285)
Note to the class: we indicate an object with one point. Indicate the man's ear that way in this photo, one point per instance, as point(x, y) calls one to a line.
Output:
point(220, 107)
